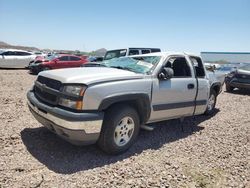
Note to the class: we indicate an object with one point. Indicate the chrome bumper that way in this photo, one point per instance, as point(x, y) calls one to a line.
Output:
point(77, 128)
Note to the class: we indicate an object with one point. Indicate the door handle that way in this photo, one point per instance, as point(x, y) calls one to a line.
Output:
point(190, 86)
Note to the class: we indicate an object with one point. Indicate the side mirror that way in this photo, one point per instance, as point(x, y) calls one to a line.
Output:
point(56, 60)
point(166, 73)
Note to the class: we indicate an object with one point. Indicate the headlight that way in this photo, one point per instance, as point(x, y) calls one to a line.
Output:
point(76, 91)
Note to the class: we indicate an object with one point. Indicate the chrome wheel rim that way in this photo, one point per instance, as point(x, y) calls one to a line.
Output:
point(211, 102)
point(124, 131)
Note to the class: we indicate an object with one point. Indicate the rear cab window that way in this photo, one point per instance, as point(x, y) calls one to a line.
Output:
point(155, 50)
point(115, 54)
point(133, 52)
point(145, 51)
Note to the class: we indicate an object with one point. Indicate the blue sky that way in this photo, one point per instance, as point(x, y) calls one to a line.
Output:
point(176, 25)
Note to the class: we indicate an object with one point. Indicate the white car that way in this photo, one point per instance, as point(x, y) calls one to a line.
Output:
point(12, 58)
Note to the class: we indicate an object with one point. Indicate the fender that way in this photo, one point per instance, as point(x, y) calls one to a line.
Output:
point(217, 87)
point(140, 101)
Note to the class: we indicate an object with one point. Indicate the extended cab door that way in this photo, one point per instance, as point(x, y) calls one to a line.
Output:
point(174, 97)
point(203, 84)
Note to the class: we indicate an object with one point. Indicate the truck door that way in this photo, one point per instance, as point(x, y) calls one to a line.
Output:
point(175, 97)
point(203, 84)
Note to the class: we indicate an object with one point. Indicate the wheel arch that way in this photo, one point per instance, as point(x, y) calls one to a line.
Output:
point(216, 87)
point(139, 101)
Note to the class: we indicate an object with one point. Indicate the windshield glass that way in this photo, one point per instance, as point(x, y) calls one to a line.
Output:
point(246, 67)
point(115, 54)
point(142, 64)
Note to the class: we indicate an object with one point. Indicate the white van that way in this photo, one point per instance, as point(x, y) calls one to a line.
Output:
point(128, 52)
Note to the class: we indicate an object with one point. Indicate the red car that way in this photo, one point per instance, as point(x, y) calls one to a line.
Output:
point(57, 62)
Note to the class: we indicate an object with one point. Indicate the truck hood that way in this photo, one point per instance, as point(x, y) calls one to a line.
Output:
point(89, 75)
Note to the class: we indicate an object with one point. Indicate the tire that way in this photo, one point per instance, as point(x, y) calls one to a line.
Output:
point(229, 88)
point(120, 129)
point(44, 69)
point(211, 103)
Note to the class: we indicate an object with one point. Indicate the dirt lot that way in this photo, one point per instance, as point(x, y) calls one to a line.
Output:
point(202, 152)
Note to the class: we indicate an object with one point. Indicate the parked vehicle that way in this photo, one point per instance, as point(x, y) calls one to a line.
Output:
point(37, 53)
point(11, 58)
point(56, 62)
point(129, 52)
point(108, 104)
point(95, 58)
point(240, 78)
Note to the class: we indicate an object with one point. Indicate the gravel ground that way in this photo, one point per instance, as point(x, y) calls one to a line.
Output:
point(202, 152)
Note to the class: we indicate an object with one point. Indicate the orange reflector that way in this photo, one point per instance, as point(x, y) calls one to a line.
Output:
point(79, 105)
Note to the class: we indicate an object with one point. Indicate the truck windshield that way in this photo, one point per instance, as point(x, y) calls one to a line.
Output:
point(115, 54)
point(142, 64)
point(246, 68)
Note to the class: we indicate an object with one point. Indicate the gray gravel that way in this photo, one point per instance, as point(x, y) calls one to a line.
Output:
point(202, 152)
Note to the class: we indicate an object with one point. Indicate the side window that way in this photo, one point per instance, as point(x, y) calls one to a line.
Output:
point(145, 51)
point(155, 50)
point(22, 53)
point(180, 66)
point(72, 58)
point(64, 58)
point(133, 52)
point(26, 53)
point(8, 53)
point(199, 69)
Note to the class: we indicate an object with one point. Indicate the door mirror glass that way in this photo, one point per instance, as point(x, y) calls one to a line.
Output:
point(166, 73)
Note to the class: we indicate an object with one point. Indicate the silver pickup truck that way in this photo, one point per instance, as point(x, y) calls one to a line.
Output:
point(108, 103)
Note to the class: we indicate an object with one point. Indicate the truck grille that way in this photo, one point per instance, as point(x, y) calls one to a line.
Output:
point(54, 84)
point(44, 96)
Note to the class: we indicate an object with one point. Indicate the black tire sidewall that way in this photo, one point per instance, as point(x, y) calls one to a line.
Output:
point(229, 88)
point(111, 120)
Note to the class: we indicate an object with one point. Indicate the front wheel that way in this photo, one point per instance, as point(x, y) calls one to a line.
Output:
point(120, 129)
point(211, 103)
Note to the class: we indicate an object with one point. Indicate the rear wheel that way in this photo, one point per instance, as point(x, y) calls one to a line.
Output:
point(211, 103)
point(229, 88)
point(120, 129)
